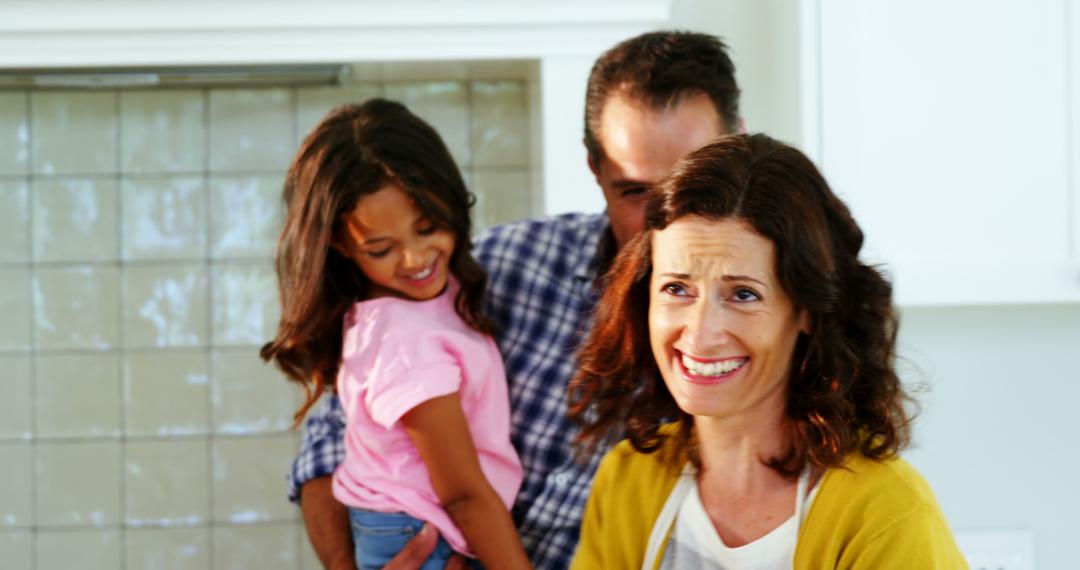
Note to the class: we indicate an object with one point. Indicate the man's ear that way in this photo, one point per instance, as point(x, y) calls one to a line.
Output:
point(742, 127)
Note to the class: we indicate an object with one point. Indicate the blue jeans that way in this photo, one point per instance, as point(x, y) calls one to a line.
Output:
point(380, 536)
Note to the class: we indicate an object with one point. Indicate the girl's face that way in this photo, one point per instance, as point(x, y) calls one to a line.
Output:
point(721, 326)
point(401, 251)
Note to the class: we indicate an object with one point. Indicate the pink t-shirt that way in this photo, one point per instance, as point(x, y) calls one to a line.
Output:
point(397, 354)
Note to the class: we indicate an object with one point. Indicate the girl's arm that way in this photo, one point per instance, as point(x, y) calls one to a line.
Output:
point(438, 429)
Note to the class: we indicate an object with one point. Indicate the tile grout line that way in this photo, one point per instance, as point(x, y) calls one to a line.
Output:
point(90, 440)
point(470, 128)
point(121, 331)
point(160, 262)
point(67, 440)
point(89, 527)
point(536, 198)
point(235, 348)
point(32, 274)
point(210, 282)
point(144, 175)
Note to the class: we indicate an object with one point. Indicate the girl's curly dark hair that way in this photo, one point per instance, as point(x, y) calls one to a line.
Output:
point(843, 395)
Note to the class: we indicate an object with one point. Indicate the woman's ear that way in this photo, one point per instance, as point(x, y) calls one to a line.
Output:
point(804, 321)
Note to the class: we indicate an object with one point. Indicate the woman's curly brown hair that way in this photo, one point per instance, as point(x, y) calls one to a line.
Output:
point(843, 395)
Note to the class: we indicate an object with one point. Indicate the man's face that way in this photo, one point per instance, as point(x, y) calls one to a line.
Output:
point(641, 145)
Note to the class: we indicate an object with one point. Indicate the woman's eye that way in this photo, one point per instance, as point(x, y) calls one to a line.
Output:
point(745, 295)
point(675, 289)
point(378, 254)
point(426, 230)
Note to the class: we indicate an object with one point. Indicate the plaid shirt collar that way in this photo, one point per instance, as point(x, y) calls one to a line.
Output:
point(601, 260)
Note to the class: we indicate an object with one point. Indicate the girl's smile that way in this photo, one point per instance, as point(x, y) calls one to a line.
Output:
point(425, 276)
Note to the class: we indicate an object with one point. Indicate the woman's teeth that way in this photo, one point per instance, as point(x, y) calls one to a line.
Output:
point(712, 368)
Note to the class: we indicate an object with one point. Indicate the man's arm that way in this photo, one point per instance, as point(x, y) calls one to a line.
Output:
point(327, 523)
point(322, 448)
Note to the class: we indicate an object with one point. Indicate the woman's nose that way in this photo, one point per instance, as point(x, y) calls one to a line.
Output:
point(707, 326)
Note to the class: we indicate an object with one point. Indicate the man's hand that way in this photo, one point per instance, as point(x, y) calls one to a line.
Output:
point(419, 549)
point(327, 523)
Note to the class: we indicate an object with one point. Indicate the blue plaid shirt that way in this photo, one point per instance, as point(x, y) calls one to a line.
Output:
point(540, 295)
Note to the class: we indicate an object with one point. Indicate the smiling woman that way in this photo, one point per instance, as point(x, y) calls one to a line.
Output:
point(722, 328)
point(743, 312)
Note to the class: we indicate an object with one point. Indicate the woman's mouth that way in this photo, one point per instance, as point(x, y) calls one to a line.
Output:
point(709, 371)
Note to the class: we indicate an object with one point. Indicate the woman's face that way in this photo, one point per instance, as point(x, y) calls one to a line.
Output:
point(722, 328)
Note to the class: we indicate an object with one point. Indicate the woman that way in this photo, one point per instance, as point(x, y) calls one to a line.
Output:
point(743, 312)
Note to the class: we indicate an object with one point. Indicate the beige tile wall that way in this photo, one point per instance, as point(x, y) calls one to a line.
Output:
point(138, 428)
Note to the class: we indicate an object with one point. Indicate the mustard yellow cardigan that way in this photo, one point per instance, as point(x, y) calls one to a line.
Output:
point(867, 514)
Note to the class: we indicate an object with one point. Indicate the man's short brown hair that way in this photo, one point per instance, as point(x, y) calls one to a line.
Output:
point(661, 69)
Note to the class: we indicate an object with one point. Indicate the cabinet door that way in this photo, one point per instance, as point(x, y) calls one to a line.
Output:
point(947, 127)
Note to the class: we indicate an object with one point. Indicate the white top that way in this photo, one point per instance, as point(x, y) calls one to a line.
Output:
point(694, 542)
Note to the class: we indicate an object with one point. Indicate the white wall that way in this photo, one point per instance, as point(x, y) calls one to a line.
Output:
point(997, 438)
point(763, 37)
point(999, 422)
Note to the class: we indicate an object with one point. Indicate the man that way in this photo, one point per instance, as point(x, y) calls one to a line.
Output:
point(650, 100)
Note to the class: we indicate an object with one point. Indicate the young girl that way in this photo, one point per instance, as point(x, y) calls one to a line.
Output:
point(380, 294)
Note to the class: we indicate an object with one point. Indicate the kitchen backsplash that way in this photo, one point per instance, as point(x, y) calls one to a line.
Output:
point(138, 428)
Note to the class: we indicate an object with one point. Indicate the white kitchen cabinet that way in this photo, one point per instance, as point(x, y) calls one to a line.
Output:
point(952, 129)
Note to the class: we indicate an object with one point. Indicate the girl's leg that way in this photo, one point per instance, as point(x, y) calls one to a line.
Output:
point(380, 536)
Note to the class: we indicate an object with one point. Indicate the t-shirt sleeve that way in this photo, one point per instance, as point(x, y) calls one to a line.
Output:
point(410, 389)
point(407, 373)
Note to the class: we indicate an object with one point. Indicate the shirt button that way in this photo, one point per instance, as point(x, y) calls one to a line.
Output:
point(562, 479)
